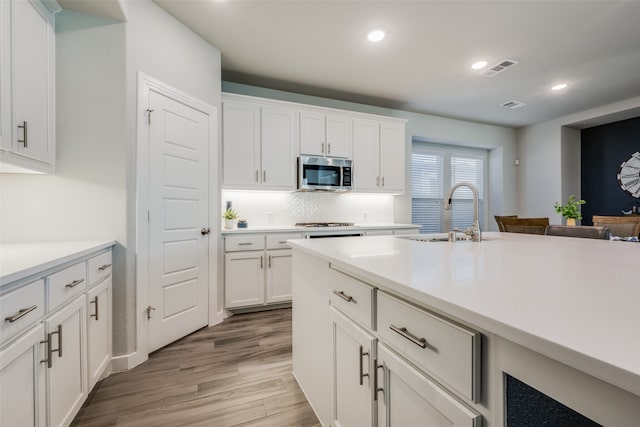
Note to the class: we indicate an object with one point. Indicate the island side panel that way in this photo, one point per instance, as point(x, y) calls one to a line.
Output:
point(312, 332)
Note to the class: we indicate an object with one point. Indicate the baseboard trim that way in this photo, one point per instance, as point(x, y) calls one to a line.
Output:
point(126, 361)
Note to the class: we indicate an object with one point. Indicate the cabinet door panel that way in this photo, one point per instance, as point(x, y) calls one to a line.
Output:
point(244, 279)
point(352, 398)
point(241, 144)
point(409, 398)
point(278, 148)
point(312, 134)
point(98, 331)
point(392, 161)
point(67, 382)
point(22, 381)
point(338, 131)
point(32, 86)
point(278, 286)
point(366, 151)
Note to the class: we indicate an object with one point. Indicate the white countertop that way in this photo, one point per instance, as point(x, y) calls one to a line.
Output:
point(300, 229)
point(574, 300)
point(20, 260)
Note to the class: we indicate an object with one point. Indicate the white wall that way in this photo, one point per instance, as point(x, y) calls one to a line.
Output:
point(92, 196)
point(501, 142)
point(549, 155)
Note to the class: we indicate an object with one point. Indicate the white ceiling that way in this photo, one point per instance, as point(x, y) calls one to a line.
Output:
point(320, 48)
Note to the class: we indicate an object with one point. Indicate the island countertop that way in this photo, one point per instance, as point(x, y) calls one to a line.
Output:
point(574, 300)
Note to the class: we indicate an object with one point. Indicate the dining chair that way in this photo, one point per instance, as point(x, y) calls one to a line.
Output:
point(525, 225)
point(620, 226)
point(584, 231)
point(499, 220)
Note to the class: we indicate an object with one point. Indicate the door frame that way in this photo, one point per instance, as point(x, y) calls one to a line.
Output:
point(146, 84)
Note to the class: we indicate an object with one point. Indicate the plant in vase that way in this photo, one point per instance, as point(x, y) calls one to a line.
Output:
point(570, 210)
point(230, 218)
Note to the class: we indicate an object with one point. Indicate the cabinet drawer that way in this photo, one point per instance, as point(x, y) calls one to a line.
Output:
point(352, 297)
point(279, 241)
point(244, 243)
point(65, 284)
point(449, 352)
point(99, 266)
point(20, 309)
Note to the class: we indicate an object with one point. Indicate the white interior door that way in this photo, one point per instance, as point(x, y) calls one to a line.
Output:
point(178, 214)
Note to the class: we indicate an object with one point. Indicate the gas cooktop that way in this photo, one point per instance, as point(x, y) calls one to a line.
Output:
point(324, 224)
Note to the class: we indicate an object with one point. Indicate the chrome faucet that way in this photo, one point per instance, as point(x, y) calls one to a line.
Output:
point(473, 231)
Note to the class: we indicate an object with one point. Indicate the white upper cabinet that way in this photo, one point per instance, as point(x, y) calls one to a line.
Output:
point(27, 77)
point(378, 156)
point(325, 134)
point(259, 146)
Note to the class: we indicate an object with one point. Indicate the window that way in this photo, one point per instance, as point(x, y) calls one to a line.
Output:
point(434, 170)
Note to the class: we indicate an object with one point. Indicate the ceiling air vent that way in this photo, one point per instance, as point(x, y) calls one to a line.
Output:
point(498, 68)
point(512, 105)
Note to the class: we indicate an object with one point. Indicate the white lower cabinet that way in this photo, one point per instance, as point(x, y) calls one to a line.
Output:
point(409, 398)
point(257, 269)
point(22, 383)
point(66, 362)
point(351, 377)
point(98, 332)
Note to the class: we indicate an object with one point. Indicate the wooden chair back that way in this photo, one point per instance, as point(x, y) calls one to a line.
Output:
point(525, 225)
point(499, 220)
point(584, 231)
point(621, 226)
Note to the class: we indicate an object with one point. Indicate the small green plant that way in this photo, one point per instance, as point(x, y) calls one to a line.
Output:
point(571, 209)
point(230, 214)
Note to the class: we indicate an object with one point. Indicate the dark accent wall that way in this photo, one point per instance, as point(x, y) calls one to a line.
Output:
point(603, 149)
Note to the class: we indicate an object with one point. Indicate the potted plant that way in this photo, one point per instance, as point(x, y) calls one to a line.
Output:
point(230, 218)
point(570, 210)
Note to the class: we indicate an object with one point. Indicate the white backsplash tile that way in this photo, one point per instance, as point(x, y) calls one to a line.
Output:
point(261, 208)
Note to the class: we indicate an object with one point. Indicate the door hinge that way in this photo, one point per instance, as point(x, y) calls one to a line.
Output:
point(149, 111)
point(149, 309)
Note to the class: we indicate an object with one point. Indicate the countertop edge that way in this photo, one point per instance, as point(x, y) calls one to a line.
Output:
point(50, 262)
point(299, 229)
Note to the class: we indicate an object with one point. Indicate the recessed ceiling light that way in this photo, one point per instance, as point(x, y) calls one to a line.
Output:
point(479, 65)
point(375, 35)
point(559, 86)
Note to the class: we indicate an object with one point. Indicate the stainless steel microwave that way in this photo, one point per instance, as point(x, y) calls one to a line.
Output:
point(324, 174)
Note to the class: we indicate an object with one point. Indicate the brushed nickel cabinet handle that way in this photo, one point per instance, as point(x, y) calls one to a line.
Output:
point(257, 175)
point(282, 242)
point(261, 263)
point(24, 140)
point(269, 261)
point(59, 349)
point(264, 176)
point(95, 301)
point(322, 148)
point(104, 267)
point(245, 243)
point(21, 313)
point(420, 342)
point(329, 148)
point(383, 181)
point(378, 182)
point(375, 379)
point(74, 283)
point(347, 298)
point(48, 360)
point(362, 374)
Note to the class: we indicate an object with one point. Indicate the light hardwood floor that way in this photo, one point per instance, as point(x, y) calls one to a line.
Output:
point(237, 373)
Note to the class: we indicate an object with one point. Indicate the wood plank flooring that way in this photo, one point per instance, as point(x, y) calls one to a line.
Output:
point(237, 373)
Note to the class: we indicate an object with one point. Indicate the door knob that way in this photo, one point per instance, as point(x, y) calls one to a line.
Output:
point(205, 231)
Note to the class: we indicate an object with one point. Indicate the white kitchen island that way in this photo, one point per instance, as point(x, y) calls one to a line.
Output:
point(559, 314)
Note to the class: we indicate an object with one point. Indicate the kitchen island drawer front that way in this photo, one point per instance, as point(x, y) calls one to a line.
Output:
point(449, 352)
point(279, 241)
point(352, 297)
point(20, 309)
point(65, 284)
point(244, 243)
point(99, 267)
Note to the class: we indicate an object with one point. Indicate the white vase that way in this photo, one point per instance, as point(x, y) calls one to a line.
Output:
point(230, 223)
